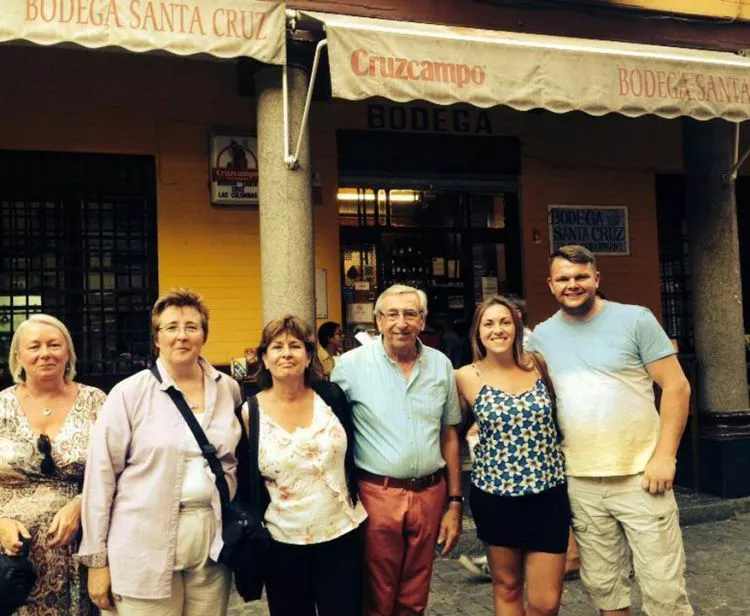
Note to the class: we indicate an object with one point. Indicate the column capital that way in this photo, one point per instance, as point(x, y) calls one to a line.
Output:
point(299, 54)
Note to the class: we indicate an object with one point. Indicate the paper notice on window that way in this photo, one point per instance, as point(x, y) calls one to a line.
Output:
point(438, 266)
point(489, 286)
point(359, 313)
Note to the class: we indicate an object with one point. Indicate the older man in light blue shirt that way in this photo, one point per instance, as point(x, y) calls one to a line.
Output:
point(405, 410)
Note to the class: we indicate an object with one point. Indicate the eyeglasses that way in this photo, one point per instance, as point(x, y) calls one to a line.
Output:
point(173, 330)
point(44, 447)
point(409, 315)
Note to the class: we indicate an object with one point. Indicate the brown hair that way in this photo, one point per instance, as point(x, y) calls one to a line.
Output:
point(181, 298)
point(294, 326)
point(575, 254)
point(478, 350)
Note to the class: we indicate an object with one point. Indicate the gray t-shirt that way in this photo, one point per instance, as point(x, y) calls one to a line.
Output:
point(605, 396)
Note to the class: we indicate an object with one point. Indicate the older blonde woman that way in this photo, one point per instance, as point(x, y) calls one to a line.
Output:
point(45, 422)
point(151, 510)
point(305, 457)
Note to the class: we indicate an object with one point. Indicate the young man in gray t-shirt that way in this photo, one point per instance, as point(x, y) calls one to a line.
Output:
point(603, 358)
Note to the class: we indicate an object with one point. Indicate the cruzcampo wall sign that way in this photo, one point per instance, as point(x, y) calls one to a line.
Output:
point(233, 169)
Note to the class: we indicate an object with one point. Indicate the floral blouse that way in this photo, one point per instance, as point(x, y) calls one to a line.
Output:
point(518, 451)
point(304, 475)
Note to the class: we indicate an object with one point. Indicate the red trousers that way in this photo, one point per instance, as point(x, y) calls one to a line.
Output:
point(399, 538)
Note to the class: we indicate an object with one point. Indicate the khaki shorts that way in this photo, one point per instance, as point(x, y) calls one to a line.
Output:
point(614, 518)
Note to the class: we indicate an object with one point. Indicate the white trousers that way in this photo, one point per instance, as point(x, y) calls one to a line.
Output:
point(200, 587)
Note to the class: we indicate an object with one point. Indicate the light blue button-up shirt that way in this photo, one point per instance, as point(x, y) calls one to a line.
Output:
point(397, 423)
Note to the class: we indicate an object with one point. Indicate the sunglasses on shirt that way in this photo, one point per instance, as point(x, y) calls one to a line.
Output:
point(44, 446)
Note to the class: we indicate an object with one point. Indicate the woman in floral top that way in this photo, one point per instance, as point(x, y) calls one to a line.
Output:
point(305, 459)
point(46, 419)
point(518, 492)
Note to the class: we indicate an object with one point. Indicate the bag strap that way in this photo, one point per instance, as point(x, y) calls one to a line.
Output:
point(253, 436)
point(207, 449)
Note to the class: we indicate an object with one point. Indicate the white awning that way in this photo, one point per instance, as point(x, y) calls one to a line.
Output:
point(221, 28)
point(406, 61)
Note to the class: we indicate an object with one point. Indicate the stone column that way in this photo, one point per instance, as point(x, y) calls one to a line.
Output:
point(287, 242)
point(723, 444)
point(708, 150)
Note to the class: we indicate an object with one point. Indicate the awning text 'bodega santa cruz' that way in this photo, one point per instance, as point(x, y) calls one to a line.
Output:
point(221, 28)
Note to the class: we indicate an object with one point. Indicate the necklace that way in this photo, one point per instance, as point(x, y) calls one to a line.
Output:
point(193, 405)
point(46, 411)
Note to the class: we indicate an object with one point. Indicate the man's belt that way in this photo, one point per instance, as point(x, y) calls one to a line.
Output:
point(415, 484)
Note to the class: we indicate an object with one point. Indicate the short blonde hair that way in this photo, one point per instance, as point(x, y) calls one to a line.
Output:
point(402, 289)
point(16, 370)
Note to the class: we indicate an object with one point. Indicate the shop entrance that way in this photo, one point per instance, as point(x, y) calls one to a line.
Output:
point(457, 245)
point(78, 241)
point(433, 211)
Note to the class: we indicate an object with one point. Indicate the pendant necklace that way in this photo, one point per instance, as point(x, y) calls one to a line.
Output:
point(46, 411)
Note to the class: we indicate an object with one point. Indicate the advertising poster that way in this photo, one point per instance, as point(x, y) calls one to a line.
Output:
point(234, 169)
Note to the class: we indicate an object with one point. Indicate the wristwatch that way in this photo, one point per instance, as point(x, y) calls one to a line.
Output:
point(456, 499)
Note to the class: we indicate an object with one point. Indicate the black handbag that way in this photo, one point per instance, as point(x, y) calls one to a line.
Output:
point(246, 539)
point(17, 577)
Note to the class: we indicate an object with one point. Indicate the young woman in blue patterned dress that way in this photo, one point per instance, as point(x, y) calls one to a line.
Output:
point(518, 494)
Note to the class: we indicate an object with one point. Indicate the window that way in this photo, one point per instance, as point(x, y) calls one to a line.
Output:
point(78, 241)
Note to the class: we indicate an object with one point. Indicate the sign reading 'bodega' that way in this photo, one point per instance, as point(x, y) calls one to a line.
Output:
point(601, 229)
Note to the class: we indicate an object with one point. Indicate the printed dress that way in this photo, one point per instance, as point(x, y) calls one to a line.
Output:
point(33, 498)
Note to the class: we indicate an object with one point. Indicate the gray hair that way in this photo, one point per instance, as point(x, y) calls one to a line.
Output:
point(16, 370)
point(402, 289)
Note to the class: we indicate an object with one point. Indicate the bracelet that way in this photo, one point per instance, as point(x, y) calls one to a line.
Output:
point(456, 499)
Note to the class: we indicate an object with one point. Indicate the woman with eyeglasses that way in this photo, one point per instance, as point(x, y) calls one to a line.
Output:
point(151, 510)
point(45, 422)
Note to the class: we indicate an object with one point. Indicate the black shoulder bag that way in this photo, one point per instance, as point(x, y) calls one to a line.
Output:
point(17, 577)
point(246, 539)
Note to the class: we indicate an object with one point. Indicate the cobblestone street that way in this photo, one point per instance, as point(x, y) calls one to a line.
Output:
point(718, 567)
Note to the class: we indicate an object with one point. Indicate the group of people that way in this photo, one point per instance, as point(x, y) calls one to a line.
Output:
point(362, 473)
